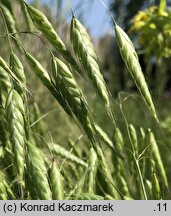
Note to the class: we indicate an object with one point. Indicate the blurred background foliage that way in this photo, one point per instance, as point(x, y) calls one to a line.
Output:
point(149, 27)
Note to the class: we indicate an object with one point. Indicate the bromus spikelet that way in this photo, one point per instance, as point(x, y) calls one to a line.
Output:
point(148, 185)
point(59, 150)
point(130, 58)
point(133, 139)
point(17, 68)
point(118, 163)
point(156, 187)
point(90, 179)
point(70, 91)
point(15, 112)
point(56, 181)
point(46, 80)
point(3, 193)
point(5, 87)
point(46, 28)
point(118, 142)
point(85, 51)
point(104, 171)
point(38, 69)
point(5, 190)
point(10, 22)
point(156, 156)
point(37, 174)
point(118, 139)
point(5, 66)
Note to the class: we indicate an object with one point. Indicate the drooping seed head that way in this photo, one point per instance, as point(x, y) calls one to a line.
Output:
point(156, 156)
point(118, 139)
point(17, 67)
point(3, 192)
point(16, 127)
point(5, 86)
point(56, 182)
point(38, 69)
point(123, 185)
point(72, 94)
point(43, 25)
point(9, 18)
point(156, 187)
point(90, 179)
point(5, 188)
point(105, 172)
point(37, 173)
point(133, 138)
point(85, 51)
point(5, 66)
point(11, 24)
point(130, 58)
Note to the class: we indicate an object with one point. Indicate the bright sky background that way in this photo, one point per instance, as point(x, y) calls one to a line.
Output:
point(96, 17)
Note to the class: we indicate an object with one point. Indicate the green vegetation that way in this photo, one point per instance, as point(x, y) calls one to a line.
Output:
point(63, 132)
